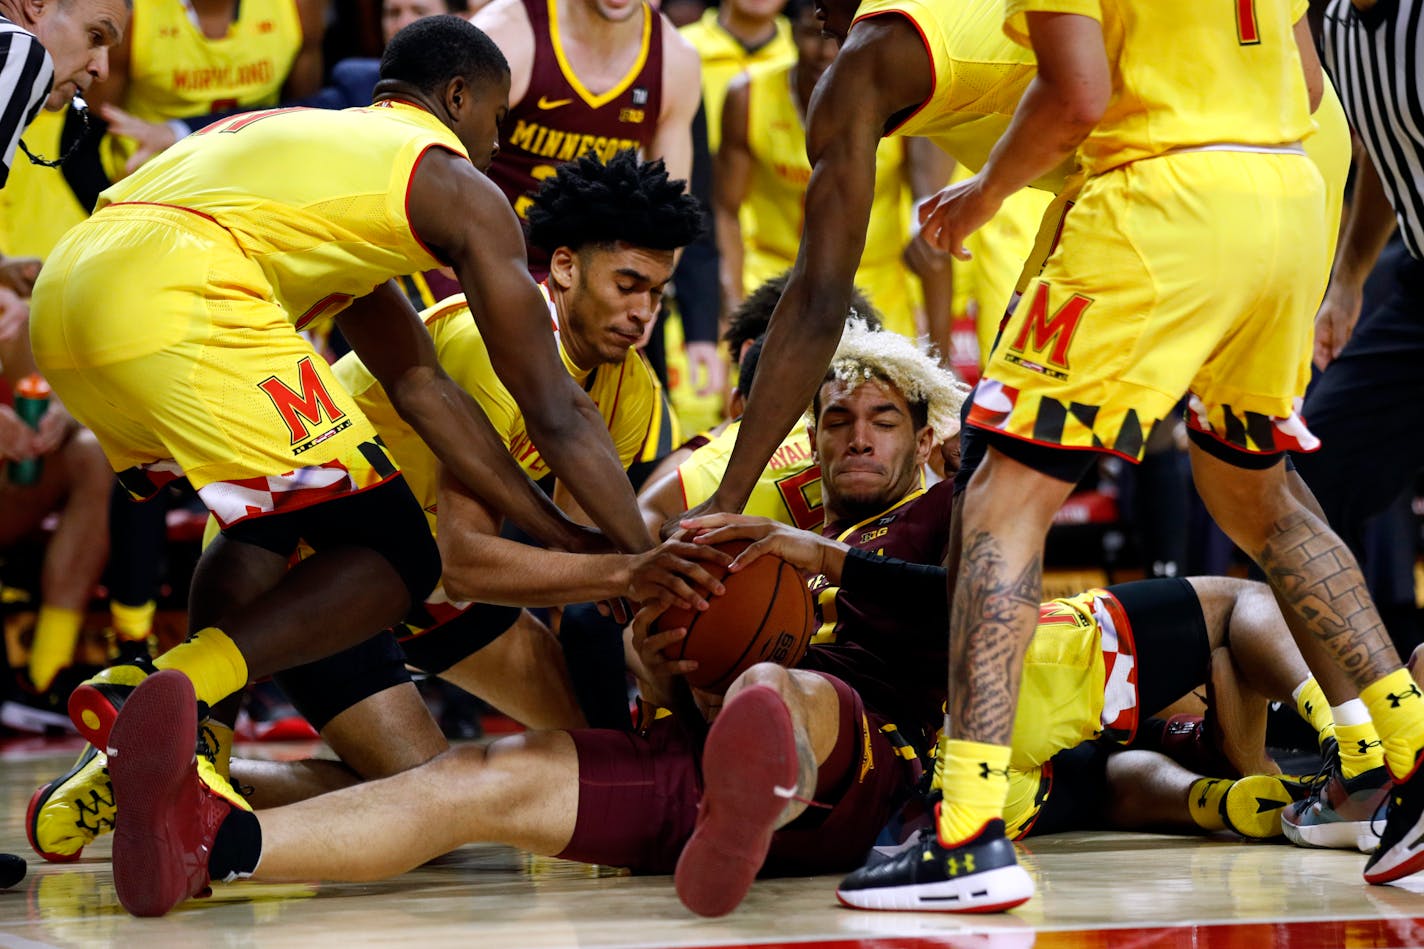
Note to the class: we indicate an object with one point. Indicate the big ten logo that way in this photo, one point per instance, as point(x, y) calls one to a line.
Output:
point(1048, 338)
point(780, 648)
point(874, 535)
point(524, 202)
point(630, 115)
point(307, 405)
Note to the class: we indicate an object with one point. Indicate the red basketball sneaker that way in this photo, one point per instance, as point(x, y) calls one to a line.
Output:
point(749, 776)
point(171, 812)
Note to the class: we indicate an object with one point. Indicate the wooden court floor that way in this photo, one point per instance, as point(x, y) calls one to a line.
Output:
point(1095, 889)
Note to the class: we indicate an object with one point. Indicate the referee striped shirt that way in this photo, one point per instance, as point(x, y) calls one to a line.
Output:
point(26, 75)
point(1376, 58)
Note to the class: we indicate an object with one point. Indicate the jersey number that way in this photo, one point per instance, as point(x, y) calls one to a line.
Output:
point(1247, 32)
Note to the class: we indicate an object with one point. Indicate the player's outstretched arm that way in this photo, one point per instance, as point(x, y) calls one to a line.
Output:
point(465, 220)
point(804, 550)
point(386, 332)
point(884, 69)
point(480, 565)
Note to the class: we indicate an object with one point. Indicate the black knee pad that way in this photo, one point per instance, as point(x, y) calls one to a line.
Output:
point(324, 689)
point(441, 647)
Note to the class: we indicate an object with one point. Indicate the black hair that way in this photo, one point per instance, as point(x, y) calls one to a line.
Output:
point(746, 372)
point(433, 50)
point(794, 8)
point(589, 202)
point(751, 319)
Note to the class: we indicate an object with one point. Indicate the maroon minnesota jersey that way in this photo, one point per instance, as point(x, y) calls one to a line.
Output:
point(893, 654)
point(559, 119)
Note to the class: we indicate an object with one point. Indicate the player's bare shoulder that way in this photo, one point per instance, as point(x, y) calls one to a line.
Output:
point(507, 23)
point(682, 72)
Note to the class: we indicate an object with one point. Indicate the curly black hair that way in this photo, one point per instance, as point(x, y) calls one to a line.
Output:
point(590, 202)
point(751, 319)
point(433, 50)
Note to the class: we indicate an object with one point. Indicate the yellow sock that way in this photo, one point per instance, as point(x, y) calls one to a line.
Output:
point(56, 634)
point(132, 623)
point(211, 661)
point(1204, 802)
point(218, 738)
point(974, 777)
point(1360, 748)
point(1312, 705)
point(1394, 704)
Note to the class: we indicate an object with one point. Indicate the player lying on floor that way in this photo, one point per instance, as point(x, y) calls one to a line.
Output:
point(632, 800)
point(612, 230)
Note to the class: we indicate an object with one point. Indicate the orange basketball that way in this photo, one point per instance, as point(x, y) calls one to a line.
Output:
point(766, 615)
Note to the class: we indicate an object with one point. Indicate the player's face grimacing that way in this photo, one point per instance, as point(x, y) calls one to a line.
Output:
point(476, 117)
point(867, 444)
point(613, 296)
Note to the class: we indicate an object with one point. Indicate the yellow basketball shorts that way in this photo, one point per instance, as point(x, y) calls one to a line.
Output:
point(165, 341)
point(1192, 273)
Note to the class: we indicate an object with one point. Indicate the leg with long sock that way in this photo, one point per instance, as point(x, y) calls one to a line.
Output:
point(373, 556)
point(970, 866)
point(1317, 579)
point(1149, 791)
point(75, 556)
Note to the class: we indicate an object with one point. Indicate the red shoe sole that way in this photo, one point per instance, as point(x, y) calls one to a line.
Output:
point(37, 801)
point(750, 751)
point(151, 766)
point(92, 714)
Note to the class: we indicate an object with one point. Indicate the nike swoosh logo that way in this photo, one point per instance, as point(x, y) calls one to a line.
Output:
point(546, 103)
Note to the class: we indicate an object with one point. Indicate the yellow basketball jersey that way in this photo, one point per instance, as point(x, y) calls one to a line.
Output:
point(1241, 83)
point(789, 490)
point(175, 72)
point(37, 205)
point(626, 395)
point(776, 197)
point(315, 198)
point(979, 77)
point(724, 58)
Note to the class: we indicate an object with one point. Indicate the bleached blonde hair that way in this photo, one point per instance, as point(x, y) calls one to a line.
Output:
point(906, 364)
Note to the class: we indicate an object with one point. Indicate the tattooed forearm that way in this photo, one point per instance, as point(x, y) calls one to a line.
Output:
point(994, 613)
point(1316, 576)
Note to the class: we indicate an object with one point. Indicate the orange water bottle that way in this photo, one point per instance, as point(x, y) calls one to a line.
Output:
point(31, 403)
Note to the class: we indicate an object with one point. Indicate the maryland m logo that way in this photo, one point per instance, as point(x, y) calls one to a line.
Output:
point(310, 406)
point(1039, 333)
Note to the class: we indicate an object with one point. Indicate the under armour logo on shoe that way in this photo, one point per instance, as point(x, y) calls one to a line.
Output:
point(1206, 789)
point(956, 865)
point(985, 770)
point(1411, 692)
point(1365, 745)
point(1309, 710)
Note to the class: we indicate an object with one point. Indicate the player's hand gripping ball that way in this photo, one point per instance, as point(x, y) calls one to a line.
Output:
point(766, 615)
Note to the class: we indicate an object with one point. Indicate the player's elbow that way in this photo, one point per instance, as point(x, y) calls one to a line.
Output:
point(1083, 106)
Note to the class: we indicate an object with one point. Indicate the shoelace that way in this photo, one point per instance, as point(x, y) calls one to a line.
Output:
point(208, 748)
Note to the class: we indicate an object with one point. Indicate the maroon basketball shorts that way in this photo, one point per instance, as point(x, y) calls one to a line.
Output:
point(638, 796)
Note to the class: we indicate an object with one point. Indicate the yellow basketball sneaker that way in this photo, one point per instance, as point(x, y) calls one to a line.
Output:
point(68, 813)
point(95, 703)
point(1252, 806)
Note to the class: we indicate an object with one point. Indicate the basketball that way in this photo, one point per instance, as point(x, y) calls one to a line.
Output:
point(766, 615)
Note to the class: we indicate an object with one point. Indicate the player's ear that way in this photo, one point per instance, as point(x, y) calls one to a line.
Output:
point(924, 444)
point(36, 9)
point(563, 267)
point(457, 95)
